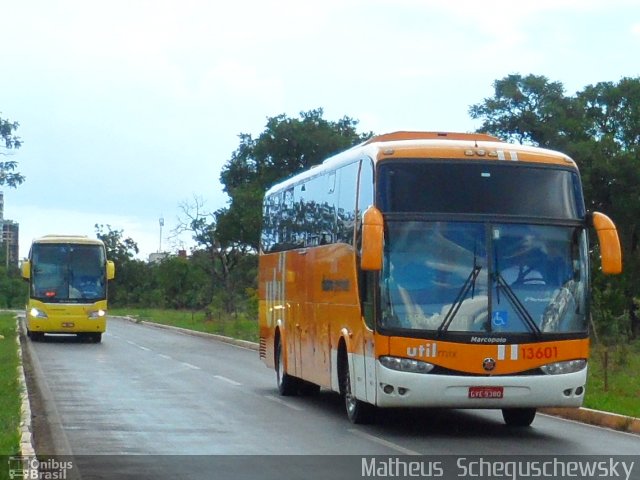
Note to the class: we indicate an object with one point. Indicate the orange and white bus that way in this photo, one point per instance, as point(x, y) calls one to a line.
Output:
point(432, 270)
point(67, 277)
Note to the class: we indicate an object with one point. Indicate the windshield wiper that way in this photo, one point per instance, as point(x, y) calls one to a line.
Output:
point(515, 302)
point(469, 284)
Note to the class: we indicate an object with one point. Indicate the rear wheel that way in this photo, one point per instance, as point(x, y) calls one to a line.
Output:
point(358, 412)
point(518, 417)
point(96, 337)
point(287, 385)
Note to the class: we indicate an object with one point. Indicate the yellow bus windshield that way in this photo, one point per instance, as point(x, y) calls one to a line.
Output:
point(63, 273)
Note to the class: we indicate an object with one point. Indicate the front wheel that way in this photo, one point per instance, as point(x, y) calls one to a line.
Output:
point(35, 336)
point(287, 385)
point(358, 412)
point(518, 417)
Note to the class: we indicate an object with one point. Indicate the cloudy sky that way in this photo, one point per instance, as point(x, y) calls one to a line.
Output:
point(130, 108)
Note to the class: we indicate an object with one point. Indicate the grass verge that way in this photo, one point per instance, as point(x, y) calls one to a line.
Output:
point(614, 385)
point(9, 387)
point(231, 326)
point(623, 383)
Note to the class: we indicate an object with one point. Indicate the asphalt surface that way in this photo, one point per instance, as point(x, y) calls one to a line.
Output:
point(150, 391)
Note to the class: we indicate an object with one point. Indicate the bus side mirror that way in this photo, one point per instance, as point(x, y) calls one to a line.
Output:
point(609, 244)
point(372, 238)
point(26, 269)
point(111, 270)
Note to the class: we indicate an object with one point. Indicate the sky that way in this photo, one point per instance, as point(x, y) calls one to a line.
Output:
point(129, 109)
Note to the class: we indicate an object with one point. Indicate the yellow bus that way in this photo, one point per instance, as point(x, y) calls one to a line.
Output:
point(67, 286)
point(427, 269)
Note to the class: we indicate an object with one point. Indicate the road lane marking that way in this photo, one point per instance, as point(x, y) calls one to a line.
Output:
point(166, 357)
point(382, 441)
point(282, 402)
point(194, 367)
point(138, 346)
point(228, 380)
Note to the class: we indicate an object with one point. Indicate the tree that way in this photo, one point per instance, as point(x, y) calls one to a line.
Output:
point(528, 110)
point(121, 251)
point(287, 146)
point(216, 234)
point(612, 179)
point(8, 175)
point(182, 283)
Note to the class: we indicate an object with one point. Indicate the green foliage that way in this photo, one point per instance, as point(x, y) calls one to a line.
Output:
point(13, 289)
point(8, 141)
point(242, 326)
point(287, 146)
point(622, 381)
point(600, 128)
point(9, 386)
point(528, 110)
point(181, 283)
point(131, 279)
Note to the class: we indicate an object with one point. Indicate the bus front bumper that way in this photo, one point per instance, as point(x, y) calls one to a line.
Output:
point(67, 325)
point(404, 389)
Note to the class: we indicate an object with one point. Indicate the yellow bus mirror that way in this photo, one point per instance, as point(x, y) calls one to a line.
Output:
point(372, 238)
point(610, 252)
point(111, 270)
point(26, 269)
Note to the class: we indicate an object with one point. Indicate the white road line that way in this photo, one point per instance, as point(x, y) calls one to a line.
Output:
point(166, 357)
point(282, 402)
point(382, 441)
point(228, 380)
point(194, 367)
point(138, 346)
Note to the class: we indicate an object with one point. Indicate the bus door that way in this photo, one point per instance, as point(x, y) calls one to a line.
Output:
point(369, 358)
point(366, 286)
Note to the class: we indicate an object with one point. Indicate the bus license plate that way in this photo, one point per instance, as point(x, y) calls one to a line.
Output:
point(68, 324)
point(486, 392)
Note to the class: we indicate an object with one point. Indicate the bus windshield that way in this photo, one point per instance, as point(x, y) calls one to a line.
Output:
point(484, 277)
point(479, 188)
point(63, 273)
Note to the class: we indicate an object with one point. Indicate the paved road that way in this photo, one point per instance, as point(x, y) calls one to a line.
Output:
point(151, 391)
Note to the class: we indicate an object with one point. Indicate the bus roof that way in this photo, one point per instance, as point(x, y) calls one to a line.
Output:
point(69, 239)
point(438, 145)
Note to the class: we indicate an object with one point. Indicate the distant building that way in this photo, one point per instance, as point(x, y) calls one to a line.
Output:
point(158, 257)
point(10, 239)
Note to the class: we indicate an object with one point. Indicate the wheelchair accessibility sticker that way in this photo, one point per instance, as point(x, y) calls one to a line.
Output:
point(500, 319)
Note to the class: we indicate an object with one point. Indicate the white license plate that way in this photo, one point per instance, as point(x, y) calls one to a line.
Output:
point(486, 392)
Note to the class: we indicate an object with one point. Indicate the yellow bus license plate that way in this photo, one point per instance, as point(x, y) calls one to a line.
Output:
point(68, 324)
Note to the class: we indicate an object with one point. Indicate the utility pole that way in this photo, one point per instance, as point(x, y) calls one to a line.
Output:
point(161, 221)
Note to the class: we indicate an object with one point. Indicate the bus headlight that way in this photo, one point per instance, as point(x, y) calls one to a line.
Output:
point(558, 368)
point(37, 313)
point(406, 364)
point(95, 314)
